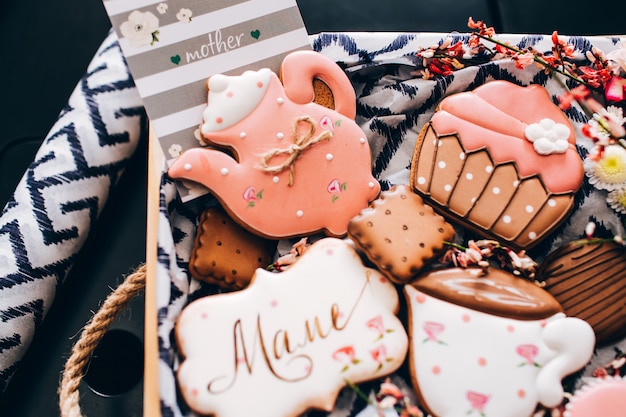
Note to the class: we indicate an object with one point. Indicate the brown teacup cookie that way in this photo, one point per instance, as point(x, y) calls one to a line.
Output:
point(225, 254)
point(399, 233)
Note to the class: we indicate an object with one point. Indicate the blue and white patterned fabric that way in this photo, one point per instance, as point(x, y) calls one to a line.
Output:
point(392, 106)
point(61, 195)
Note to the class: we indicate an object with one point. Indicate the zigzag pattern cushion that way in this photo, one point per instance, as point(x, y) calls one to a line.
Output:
point(61, 195)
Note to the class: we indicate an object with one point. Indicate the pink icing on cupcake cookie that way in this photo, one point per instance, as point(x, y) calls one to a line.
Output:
point(511, 109)
point(294, 167)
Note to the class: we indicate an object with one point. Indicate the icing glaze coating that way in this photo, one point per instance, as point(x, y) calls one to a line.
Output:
point(495, 116)
point(465, 361)
point(224, 111)
point(499, 292)
point(399, 233)
point(289, 341)
point(599, 397)
point(589, 281)
point(296, 168)
point(474, 163)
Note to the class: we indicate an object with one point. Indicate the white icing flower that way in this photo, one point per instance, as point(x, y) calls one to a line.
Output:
point(175, 150)
point(548, 137)
point(608, 173)
point(141, 28)
point(162, 8)
point(184, 15)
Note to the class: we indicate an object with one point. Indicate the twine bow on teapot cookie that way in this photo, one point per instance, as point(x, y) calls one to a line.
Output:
point(301, 142)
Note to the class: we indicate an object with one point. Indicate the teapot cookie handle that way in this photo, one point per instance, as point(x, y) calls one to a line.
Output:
point(300, 68)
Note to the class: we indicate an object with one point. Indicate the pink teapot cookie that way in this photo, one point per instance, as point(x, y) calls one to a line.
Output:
point(291, 167)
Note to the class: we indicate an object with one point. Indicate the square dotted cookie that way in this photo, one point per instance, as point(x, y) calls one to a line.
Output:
point(225, 254)
point(399, 233)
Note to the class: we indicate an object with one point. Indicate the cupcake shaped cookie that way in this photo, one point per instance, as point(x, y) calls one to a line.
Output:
point(501, 160)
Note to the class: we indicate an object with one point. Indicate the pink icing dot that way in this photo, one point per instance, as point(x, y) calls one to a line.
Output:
point(219, 120)
point(194, 392)
point(510, 328)
point(521, 393)
point(230, 94)
point(204, 315)
point(420, 298)
point(543, 323)
point(482, 361)
point(382, 279)
point(466, 318)
point(436, 370)
point(259, 84)
point(329, 252)
point(274, 303)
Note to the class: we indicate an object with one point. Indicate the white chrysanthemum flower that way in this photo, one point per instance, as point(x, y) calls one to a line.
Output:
point(614, 113)
point(140, 29)
point(184, 15)
point(608, 173)
point(617, 200)
point(162, 8)
point(548, 137)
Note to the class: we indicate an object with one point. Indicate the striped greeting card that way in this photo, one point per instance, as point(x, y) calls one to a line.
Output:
point(173, 46)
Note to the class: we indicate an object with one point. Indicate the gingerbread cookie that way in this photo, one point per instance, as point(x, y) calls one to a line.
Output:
point(500, 160)
point(225, 254)
point(399, 233)
point(589, 281)
point(290, 341)
point(494, 345)
point(296, 167)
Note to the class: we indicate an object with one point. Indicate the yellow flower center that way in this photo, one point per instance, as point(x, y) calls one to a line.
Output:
point(612, 167)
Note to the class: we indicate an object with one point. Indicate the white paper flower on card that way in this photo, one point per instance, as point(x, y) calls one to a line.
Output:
point(548, 137)
point(141, 29)
point(162, 8)
point(184, 15)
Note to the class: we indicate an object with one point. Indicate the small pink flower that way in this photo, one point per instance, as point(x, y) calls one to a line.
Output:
point(477, 400)
point(344, 354)
point(347, 356)
point(376, 324)
point(528, 352)
point(433, 330)
point(388, 388)
point(336, 186)
point(524, 60)
point(380, 356)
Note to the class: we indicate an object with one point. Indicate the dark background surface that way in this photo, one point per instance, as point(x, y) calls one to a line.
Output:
point(45, 51)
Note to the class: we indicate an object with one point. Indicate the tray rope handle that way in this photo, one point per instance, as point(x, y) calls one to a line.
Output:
point(93, 332)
